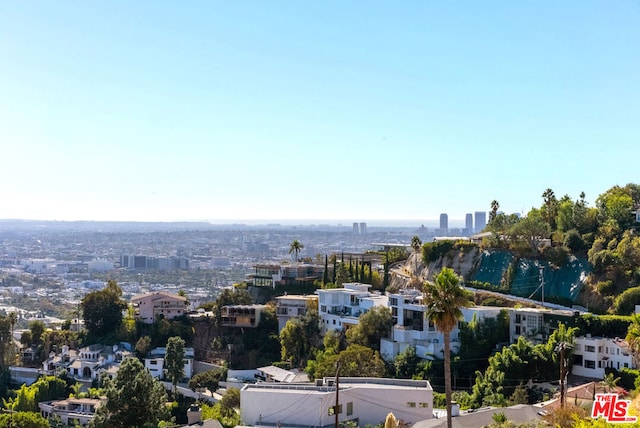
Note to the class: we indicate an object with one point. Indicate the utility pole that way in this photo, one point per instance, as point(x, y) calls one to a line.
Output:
point(336, 407)
point(561, 348)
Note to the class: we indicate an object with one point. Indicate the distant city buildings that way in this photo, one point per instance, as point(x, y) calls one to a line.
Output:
point(359, 228)
point(468, 224)
point(480, 221)
point(153, 263)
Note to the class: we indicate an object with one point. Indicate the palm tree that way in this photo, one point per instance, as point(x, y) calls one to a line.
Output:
point(633, 337)
point(443, 299)
point(295, 247)
point(495, 206)
point(610, 382)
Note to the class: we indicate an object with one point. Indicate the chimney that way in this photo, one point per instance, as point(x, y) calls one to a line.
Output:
point(194, 415)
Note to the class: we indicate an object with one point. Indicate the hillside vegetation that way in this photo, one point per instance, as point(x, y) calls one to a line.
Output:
point(589, 255)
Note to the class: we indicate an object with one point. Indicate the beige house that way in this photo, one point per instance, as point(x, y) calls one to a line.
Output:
point(148, 307)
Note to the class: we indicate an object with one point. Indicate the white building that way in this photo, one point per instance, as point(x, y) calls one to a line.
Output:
point(71, 411)
point(154, 362)
point(88, 363)
point(591, 355)
point(411, 327)
point(365, 400)
point(533, 323)
point(340, 308)
point(152, 305)
point(293, 306)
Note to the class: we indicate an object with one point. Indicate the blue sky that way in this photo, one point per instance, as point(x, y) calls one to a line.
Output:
point(363, 110)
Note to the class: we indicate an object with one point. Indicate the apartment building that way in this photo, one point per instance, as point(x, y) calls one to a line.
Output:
point(364, 400)
point(535, 324)
point(270, 275)
point(148, 307)
point(246, 316)
point(71, 411)
point(592, 355)
point(293, 306)
point(411, 328)
point(154, 362)
point(340, 308)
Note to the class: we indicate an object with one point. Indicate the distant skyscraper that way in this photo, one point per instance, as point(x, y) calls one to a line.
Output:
point(444, 222)
point(481, 221)
point(363, 228)
point(468, 223)
point(356, 228)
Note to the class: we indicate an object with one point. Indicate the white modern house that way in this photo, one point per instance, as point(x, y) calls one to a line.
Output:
point(150, 306)
point(293, 306)
point(340, 308)
point(71, 411)
point(154, 362)
point(364, 400)
point(592, 355)
point(535, 324)
point(411, 328)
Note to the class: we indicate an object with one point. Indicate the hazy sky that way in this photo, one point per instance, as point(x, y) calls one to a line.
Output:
point(356, 110)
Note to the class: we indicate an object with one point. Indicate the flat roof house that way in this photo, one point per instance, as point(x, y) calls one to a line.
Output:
point(364, 400)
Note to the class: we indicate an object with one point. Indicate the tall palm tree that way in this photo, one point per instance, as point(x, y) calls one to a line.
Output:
point(295, 247)
point(443, 299)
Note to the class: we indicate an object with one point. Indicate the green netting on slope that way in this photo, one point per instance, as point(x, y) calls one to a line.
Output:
point(492, 265)
point(565, 282)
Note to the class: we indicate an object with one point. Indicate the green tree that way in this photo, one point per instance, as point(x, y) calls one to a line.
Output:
point(495, 206)
point(372, 326)
point(174, 360)
point(143, 346)
point(23, 420)
point(102, 310)
point(6, 343)
point(293, 342)
point(550, 208)
point(406, 363)
point(356, 360)
point(134, 399)
point(532, 229)
point(416, 243)
point(209, 379)
point(633, 337)
point(36, 328)
point(295, 247)
point(443, 299)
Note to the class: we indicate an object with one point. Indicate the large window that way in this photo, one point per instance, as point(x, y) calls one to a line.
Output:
point(589, 364)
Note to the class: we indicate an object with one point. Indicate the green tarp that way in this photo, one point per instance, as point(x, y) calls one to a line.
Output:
point(530, 275)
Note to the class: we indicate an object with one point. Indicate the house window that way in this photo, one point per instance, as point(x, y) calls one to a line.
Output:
point(517, 329)
point(626, 365)
point(518, 317)
point(589, 364)
point(332, 410)
point(350, 408)
point(424, 405)
point(589, 348)
point(411, 404)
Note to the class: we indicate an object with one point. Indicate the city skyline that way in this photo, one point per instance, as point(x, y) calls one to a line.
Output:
point(232, 112)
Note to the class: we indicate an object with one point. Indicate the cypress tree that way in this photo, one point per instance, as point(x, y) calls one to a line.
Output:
point(335, 269)
point(325, 276)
